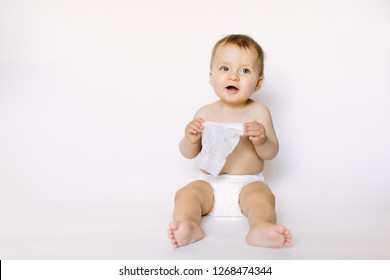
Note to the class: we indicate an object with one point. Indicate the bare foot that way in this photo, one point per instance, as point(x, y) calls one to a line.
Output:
point(269, 235)
point(184, 233)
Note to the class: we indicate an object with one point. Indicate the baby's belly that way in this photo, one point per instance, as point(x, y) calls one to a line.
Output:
point(243, 160)
point(240, 167)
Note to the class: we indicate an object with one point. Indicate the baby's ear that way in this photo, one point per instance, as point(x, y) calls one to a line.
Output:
point(259, 83)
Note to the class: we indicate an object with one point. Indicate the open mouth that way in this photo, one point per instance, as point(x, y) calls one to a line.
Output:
point(231, 88)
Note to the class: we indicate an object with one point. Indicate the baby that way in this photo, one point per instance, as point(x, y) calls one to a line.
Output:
point(232, 138)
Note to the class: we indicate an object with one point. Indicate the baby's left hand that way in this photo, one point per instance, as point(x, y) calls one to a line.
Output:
point(256, 132)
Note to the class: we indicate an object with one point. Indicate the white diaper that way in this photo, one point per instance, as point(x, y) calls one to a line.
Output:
point(227, 189)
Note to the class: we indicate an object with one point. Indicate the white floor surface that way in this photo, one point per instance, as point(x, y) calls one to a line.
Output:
point(322, 227)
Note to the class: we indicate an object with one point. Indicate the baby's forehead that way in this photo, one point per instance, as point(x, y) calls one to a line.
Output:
point(249, 50)
point(225, 52)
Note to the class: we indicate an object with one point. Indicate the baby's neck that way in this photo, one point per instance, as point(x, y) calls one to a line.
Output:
point(233, 110)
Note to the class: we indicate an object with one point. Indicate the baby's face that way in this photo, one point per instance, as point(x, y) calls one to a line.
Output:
point(234, 74)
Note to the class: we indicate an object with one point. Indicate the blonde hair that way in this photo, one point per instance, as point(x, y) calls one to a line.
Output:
point(244, 42)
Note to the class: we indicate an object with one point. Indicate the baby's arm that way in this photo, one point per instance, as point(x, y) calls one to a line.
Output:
point(191, 143)
point(262, 134)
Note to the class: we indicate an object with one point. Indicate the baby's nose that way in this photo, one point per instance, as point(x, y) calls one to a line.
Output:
point(234, 77)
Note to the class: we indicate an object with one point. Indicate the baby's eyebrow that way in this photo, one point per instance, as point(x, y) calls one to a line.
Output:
point(230, 63)
point(247, 65)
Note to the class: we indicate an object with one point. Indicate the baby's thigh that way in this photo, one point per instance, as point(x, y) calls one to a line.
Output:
point(198, 190)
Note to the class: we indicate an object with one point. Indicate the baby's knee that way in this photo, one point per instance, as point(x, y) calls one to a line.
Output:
point(195, 189)
point(181, 193)
point(187, 190)
point(264, 192)
point(259, 191)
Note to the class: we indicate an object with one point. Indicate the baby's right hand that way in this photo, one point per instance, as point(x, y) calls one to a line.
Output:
point(193, 130)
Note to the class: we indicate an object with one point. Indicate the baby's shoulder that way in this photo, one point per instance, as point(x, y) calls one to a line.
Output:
point(258, 111)
point(257, 108)
point(205, 111)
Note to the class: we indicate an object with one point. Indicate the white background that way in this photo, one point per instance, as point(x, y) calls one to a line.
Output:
point(94, 97)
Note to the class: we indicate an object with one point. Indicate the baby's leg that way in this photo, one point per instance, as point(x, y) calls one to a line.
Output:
point(258, 203)
point(191, 202)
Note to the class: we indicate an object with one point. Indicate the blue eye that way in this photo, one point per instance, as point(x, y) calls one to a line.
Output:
point(246, 71)
point(224, 68)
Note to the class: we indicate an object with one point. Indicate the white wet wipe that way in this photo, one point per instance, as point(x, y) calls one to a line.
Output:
point(218, 142)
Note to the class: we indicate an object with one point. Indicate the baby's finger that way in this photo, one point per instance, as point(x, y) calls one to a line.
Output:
point(250, 124)
point(199, 127)
point(200, 120)
point(252, 131)
point(195, 128)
